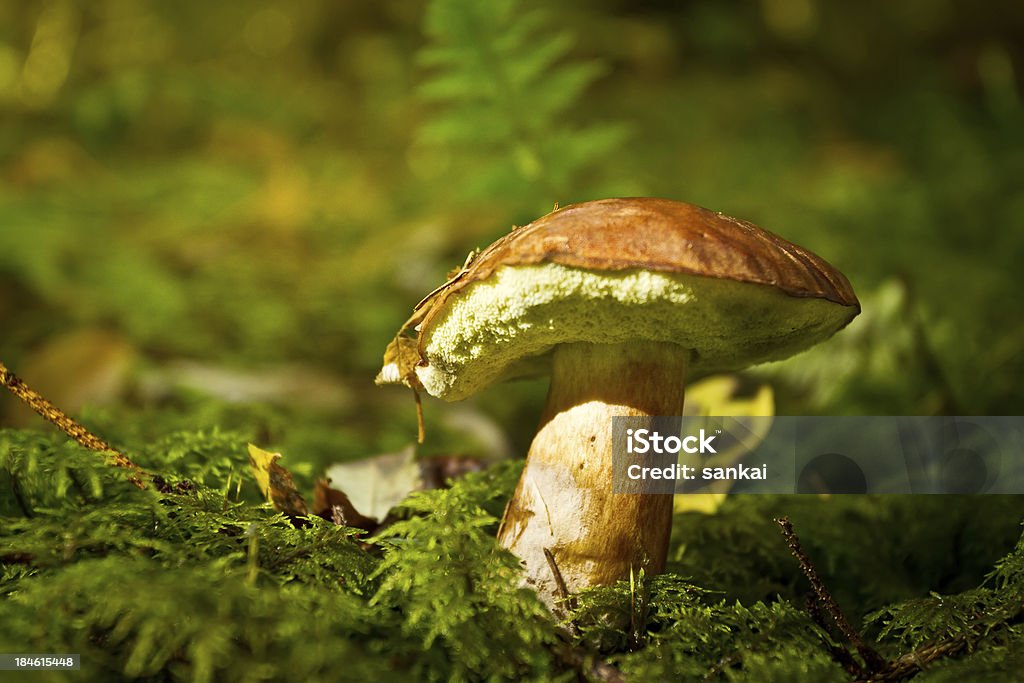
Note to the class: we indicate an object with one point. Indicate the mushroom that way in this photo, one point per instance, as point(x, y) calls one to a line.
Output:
point(621, 300)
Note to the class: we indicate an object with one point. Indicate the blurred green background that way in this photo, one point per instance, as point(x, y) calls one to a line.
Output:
point(211, 204)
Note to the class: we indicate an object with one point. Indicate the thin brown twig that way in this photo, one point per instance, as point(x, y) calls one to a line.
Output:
point(68, 425)
point(839, 654)
point(563, 592)
point(875, 662)
point(586, 667)
point(915, 662)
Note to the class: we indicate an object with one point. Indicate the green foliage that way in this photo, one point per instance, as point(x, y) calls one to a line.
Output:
point(986, 666)
point(199, 456)
point(466, 619)
point(684, 631)
point(1009, 571)
point(942, 617)
point(505, 85)
point(132, 617)
point(263, 183)
point(689, 633)
point(984, 622)
point(947, 544)
point(47, 470)
point(204, 435)
point(765, 642)
point(193, 585)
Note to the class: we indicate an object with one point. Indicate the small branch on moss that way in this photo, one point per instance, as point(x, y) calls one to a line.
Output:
point(18, 558)
point(563, 592)
point(915, 662)
point(67, 425)
point(564, 598)
point(840, 655)
point(878, 669)
point(875, 662)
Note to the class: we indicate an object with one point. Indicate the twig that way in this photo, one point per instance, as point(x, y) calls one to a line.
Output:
point(67, 425)
point(878, 670)
point(874, 661)
point(915, 662)
point(563, 592)
point(840, 655)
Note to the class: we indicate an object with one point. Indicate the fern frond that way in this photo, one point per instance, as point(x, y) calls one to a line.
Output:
point(504, 84)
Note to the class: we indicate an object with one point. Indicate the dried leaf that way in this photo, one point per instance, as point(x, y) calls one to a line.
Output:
point(332, 504)
point(276, 483)
point(719, 395)
point(375, 485)
point(400, 360)
point(369, 488)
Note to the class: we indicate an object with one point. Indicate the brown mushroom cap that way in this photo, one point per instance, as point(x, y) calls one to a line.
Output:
point(614, 270)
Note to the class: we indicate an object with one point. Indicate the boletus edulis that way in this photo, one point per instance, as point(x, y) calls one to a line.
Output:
point(622, 301)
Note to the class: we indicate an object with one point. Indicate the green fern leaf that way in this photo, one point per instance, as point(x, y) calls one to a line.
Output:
point(503, 84)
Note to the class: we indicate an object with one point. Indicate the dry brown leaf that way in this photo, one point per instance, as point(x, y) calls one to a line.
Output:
point(334, 505)
point(276, 483)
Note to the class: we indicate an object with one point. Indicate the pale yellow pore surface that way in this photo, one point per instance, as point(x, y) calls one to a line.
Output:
point(488, 329)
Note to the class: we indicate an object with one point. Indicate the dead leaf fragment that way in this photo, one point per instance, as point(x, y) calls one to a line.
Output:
point(400, 360)
point(332, 504)
point(367, 489)
point(377, 484)
point(276, 483)
point(723, 395)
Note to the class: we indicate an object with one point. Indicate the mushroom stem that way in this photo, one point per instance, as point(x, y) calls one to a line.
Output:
point(564, 502)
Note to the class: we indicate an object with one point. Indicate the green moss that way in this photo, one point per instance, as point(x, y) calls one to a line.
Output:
point(194, 585)
point(214, 204)
point(874, 550)
point(457, 594)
